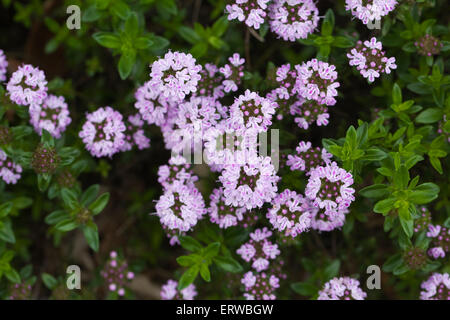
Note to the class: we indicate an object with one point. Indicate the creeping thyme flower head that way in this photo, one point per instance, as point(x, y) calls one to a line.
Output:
point(317, 81)
point(260, 286)
point(134, 134)
point(252, 12)
point(437, 287)
point(325, 220)
point(415, 258)
point(423, 221)
point(176, 170)
point(258, 250)
point(329, 187)
point(293, 19)
point(249, 185)
point(286, 78)
point(116, 274)
point(9, 171)
point(440, 244)
point(45, 159)
point(6, 135)
point(210, 84)
point(173, 235)
point(20, 291)
point(233, 73)
point(308, 158)
point(103, 132)
point(175, 75)
point(252, 111)
point(287, 104)
point(290, 213)
point(27, 86)
point(343, 288)
point(3, 66)
point(369, 58)
point(66, 179)
point(369, 10)
point(220, 213)
point(428, 45)
point(52, 115)
point(169, 291)
point(152, 104)
point(180, 207)
point(309, 111)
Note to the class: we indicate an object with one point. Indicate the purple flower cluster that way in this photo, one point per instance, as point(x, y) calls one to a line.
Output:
point(440, 245)
point(290, 213)
point(176, 170)
point(169, 291)
point(370, 10)
point(175, 75)
point(210, 83)
point(52, 115)
point(422, 222)
point(180, 207)
point(116, 274)
point(27, 86)
point(369, 58)
point(9, 171)
point(224, 215)
point(343, 288)
point(259, 250)
point(3, 66)
point(233, 73)
point(293, 19)
point(324, 220)
point(252, 12)
point(308, 158)
point(134, 134)
point(437, 287)
point(104, 132)
point(260, 286)
point(428, 45)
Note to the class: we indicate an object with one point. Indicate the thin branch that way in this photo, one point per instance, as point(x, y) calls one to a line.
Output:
point(247, 48)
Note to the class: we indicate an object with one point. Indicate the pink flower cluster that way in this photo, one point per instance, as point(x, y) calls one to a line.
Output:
point(252, 12)
point(260, 286)
point(440, 245)
point(9, 171)
point(27, 86)
point(175, 75)
point(437, 287)
point(224, 215)
point(259, 250)
point(104, 132)
point(343, 288)
point(52, 115)
point(134, 134)
point(293, 19)
point(169, 291)
point(3, 66)
point(370, 10)
point(369, 58)
point(308, 158)
point(233, 73)
point(116, 274)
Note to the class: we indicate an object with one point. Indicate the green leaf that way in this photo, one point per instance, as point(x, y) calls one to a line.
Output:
point(228, 264)
point(120, 9)
point(424, 193)
point(430, 115)
point(143, 43)
point(374, 154)
point(66, 225)
point(343, 42)
point(199, 49)
point(132, 25)
point(99, 204)
point(56, 216)
point(393, 262)
point(211, 250)
point(69, 197)
point(396, 94)
point(375, 191)
point(6, 232)
point(49, 281)
point(126, 63)
point(304, 288)
point(409, 47)
point(332, 270)
point(43, 182)
point(90, 232)
point(89, 195)
point(407, 225)
point(220, 26)
point(190, 243)
point(384, 206)
point(189, 34)
point(204, 272)
point(12, 275)
point(107, 39)
point(401, 269)
point(187, 261)
point(5, 209)
point(188, 277)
